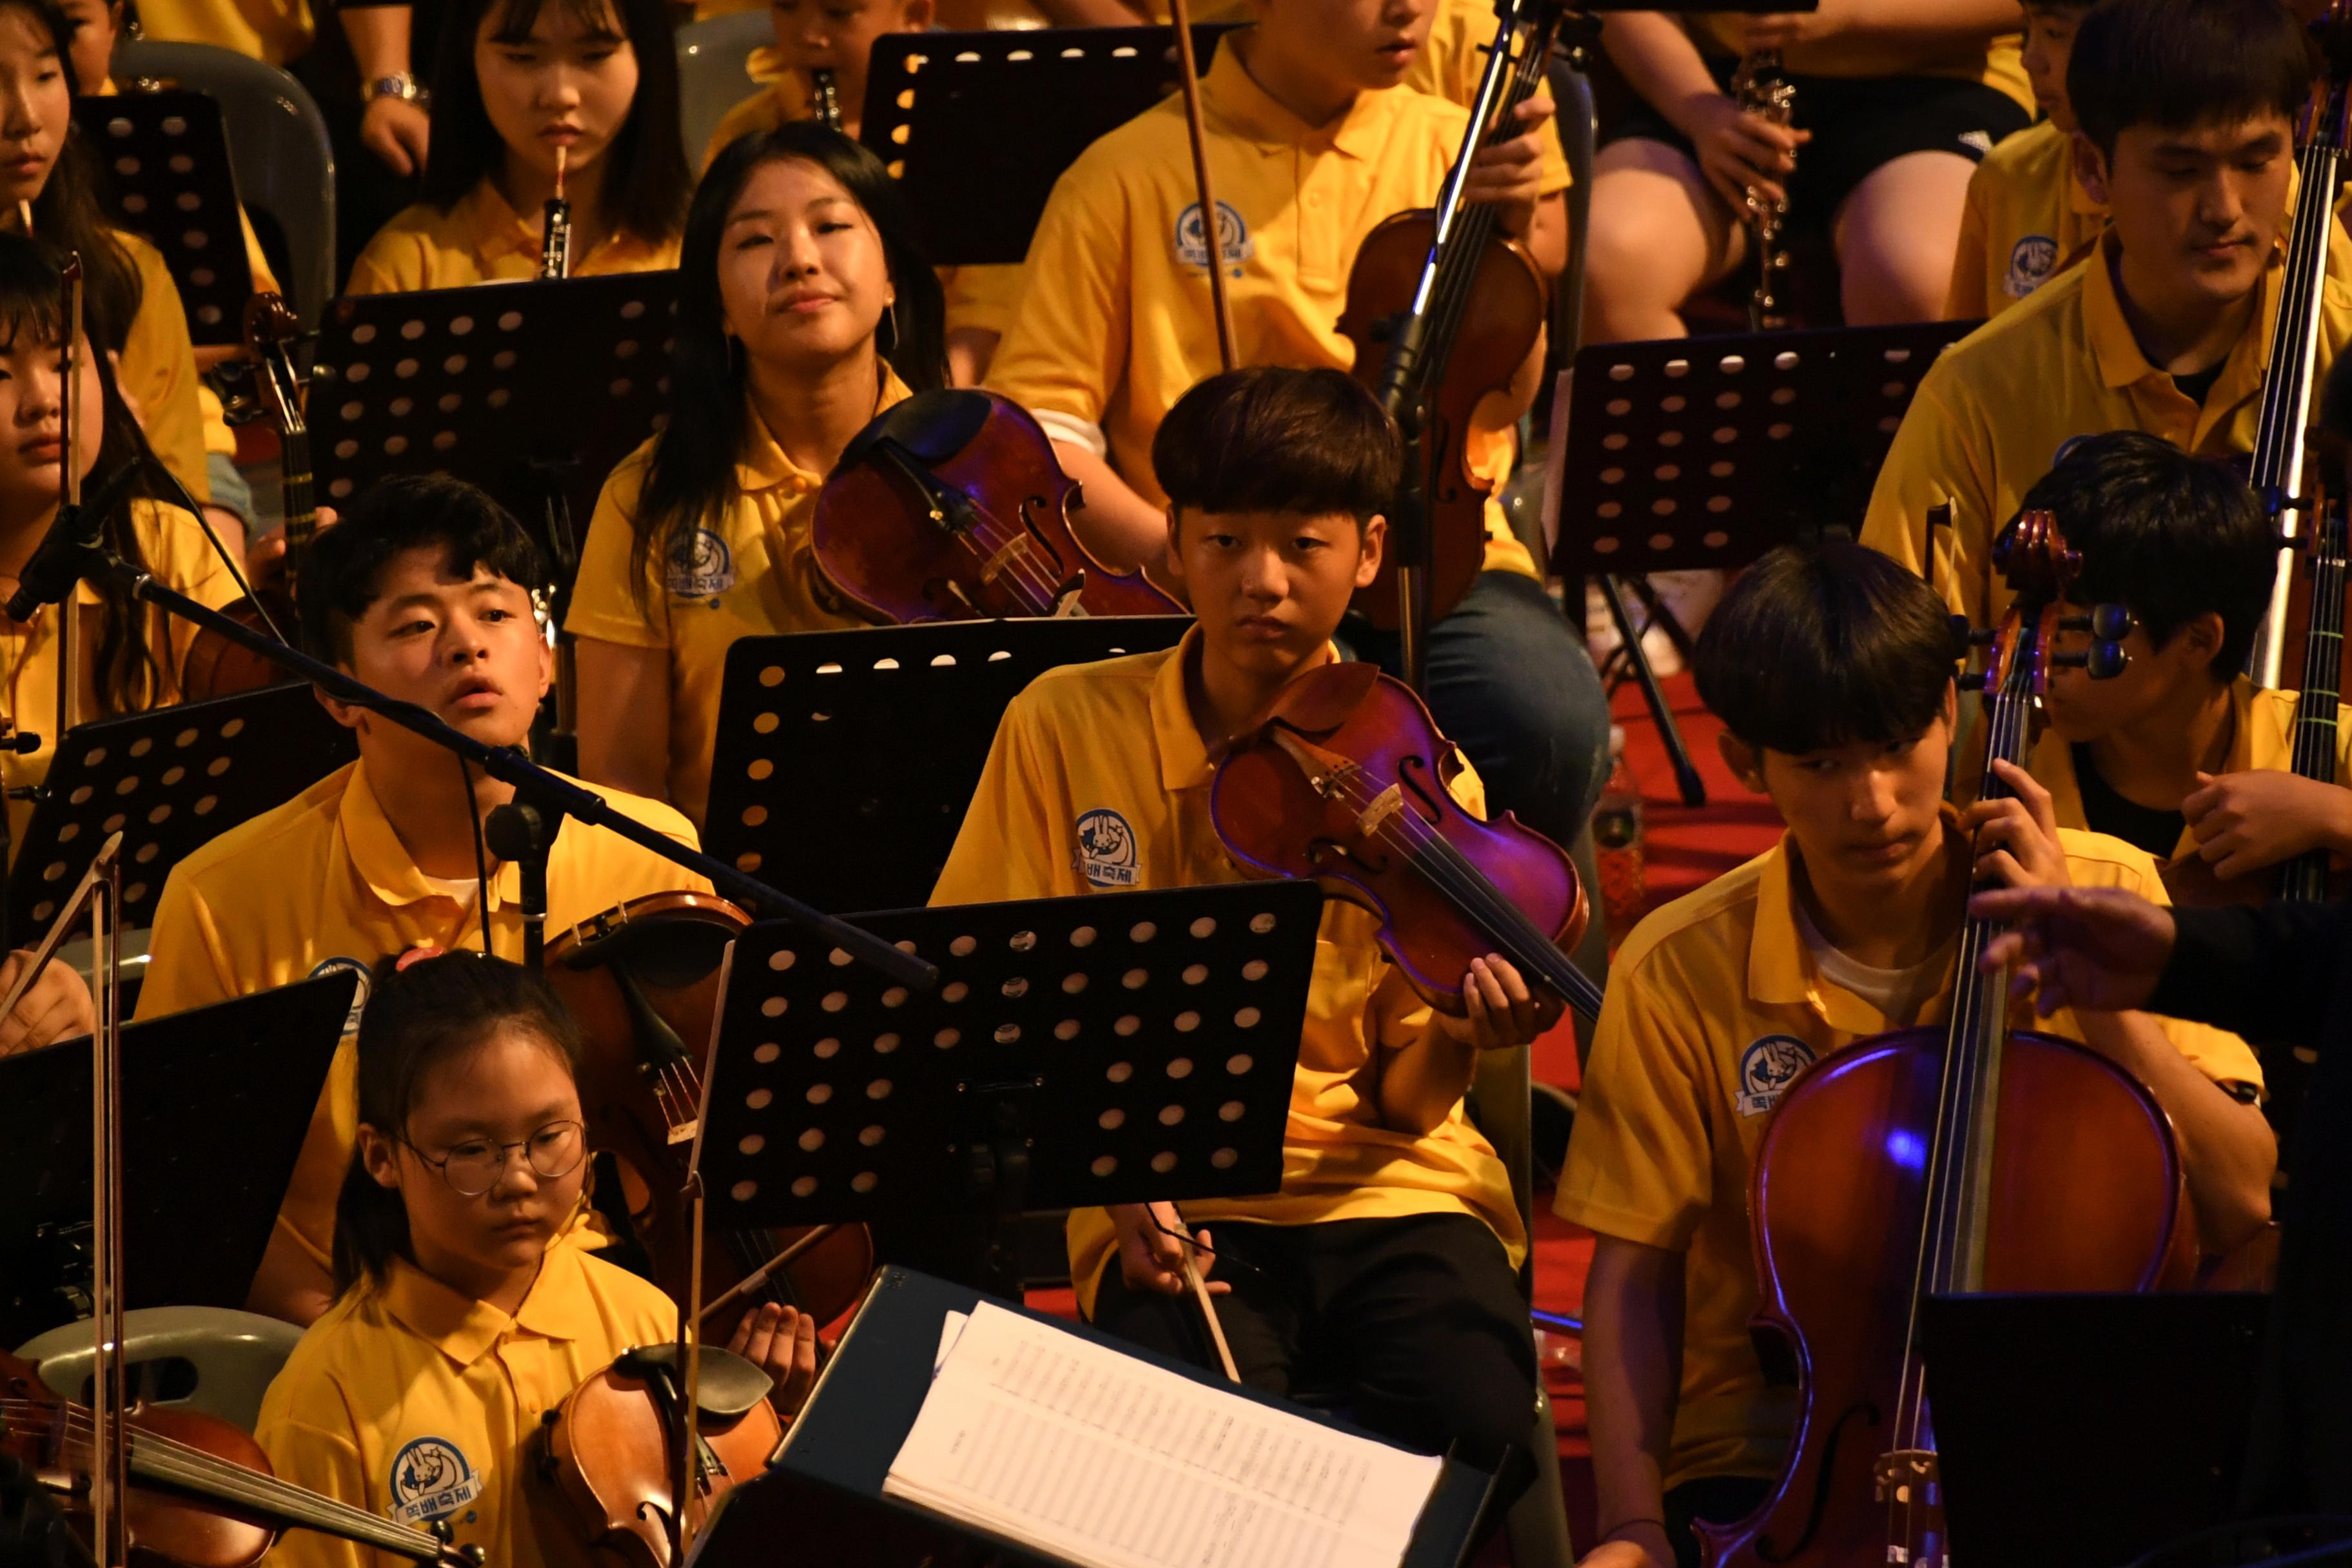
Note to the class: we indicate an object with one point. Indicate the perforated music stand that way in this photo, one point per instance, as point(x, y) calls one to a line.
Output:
point(1707, 452)
point(169, 181)
point(937, 105)
point(1115, 1049)
point(216, 1103)
point(903, 717)
point(169, 781)
point(533, 392)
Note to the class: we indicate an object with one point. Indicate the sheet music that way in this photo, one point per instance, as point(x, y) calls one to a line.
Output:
point(1050, 1439)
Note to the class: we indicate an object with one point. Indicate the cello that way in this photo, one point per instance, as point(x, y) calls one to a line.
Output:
point(1960, 1157)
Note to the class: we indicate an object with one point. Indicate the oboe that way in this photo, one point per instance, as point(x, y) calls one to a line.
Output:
point(555, 232)
point(828, 98)
point(1761, 88)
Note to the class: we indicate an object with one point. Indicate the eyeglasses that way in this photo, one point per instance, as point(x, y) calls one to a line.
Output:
point(475, 1166)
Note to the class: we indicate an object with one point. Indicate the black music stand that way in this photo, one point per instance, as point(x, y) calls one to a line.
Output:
point(1119, 1047)
point(937, 105)
point(824, 1490)
point(1707, 452)
point(533, 391)
point(216, 1103)
point(169, 181)
point(902, 718)
point(169, 781)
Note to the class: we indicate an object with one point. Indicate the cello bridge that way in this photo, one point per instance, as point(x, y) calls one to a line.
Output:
point(1385, 804)
point(1910, 1486)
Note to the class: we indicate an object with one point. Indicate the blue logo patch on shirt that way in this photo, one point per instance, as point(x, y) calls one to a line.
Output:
point(699, 566)
point(2029, 264)
point(359, 993)
point(1232, 238)
point(1106, 852)
point(431, 1479)
point(1766, 1069)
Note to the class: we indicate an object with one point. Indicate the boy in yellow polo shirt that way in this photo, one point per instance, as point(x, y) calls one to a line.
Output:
point(1312, 142)
point(1833, 673)
point(420, 593)
point(2028, 217)
point(2167, 327)
point(1387, 1257)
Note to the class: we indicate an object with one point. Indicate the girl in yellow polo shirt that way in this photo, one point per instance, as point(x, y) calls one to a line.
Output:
point(132, 653)
point(462, 1318)
point(804, 310)
point(516, 82)
point(134, 308)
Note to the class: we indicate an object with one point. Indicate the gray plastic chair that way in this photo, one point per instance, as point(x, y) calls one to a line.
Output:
point(278, 143)
point(714, 70)
point(231, 1356)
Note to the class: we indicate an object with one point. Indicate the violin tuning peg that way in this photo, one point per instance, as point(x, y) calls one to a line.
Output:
point(2105, 661)
point(2110, 623)
point(1965, 636)
point(1972, 681)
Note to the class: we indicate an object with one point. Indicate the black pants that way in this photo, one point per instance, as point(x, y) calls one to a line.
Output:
point(1413, 1328)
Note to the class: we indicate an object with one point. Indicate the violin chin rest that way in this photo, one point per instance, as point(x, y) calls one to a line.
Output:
point(668, 954)
point(731, 1384)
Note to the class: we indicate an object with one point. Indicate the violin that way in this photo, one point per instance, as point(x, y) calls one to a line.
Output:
point(1344, 779)
point(201, 1493)
point(217, 667)
point(1966, 1156)
point(607, 1447)
point(642, 980)
point(1443, 317)
point(950, 507)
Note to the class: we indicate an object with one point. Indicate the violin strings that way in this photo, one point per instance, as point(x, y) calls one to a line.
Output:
point(993, 536)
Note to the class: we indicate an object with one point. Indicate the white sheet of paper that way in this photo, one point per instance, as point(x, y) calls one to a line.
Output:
point(950, 1330)
point(1048, 1438)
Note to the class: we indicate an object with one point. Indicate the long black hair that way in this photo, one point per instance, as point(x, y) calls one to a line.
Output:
point(692, 473)
point(128, 675)
point(645, 174)
point(67, 216)
point(417, 1017)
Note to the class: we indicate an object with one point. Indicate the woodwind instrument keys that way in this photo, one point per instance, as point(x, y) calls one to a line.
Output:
point(827, 95)
point(555, 230)
point(1761, 88)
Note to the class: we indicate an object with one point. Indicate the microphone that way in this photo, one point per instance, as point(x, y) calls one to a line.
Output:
point(56, 566)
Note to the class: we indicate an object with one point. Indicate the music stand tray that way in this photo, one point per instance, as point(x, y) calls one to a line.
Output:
point(216, 1102)
point(169, 781)
point(1117, 1047)
point(2089, 1428)
point(903, 717)
point(533, 391)
point(937, 105)
point(169, 180)
point(824, 1494)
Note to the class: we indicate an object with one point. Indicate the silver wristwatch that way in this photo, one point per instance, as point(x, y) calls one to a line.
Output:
point(402, 85)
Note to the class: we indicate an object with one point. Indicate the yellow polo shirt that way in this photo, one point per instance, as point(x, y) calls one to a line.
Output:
point(1997, 62)
point(1713, 1003)
point(1991, 413)
point(180, 558)
point(412, 1402)
point(2262, 737)
point(2028, 218)
point(1117, 740)
point(1127, 330)
point(323, 884)
point(754, 575)
point(273, 30)
point(158, 372)
point(481, 239)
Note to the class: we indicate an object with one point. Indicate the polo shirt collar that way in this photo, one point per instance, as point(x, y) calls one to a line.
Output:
point(495, 230)
point(764, 464)
point(384, 863)
point(2120, 359)
point(1234, 98)
point(1780, 968)
point(1184, 760)
point(558, 1307)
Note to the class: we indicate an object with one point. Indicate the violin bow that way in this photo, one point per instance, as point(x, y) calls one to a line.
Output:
point(1213, 242)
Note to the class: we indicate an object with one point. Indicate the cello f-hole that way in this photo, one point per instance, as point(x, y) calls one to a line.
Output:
point(1822, 1479)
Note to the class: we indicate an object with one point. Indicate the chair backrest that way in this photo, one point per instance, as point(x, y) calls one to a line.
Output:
point(277, 142)
point(1571, 92)
point(207, 1359)
point(714, 71)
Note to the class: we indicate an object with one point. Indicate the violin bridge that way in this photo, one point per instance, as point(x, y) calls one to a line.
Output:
point(1385, 804)
point(684, 1131)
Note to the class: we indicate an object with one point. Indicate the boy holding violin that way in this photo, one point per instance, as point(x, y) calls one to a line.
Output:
point(1387, 1261)
point(2166, 327)
point(1833, 674)
point(421, 591)
point(1312, 141)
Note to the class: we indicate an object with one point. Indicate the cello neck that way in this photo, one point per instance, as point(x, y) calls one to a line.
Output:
point(2304, 880)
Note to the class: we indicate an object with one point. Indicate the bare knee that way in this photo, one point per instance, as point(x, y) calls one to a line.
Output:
point(1896, 237)
point(1656, 237)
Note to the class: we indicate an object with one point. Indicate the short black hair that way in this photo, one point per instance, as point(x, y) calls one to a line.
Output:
point(1823, 647)
point(2074, 8)
point(1269, 439)
point(343, 573)
point(2167, 536)
point(2180, 63)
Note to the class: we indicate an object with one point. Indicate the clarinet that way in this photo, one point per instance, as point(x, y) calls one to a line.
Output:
point(828, 99)
point(555, 229)
point(1760, 88)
